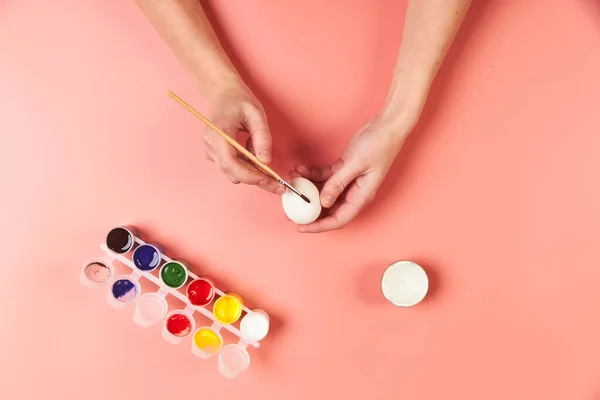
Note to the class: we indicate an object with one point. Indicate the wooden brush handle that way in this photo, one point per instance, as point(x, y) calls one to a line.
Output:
point(251, 157)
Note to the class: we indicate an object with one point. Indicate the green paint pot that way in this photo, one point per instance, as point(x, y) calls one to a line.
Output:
point(174, 274)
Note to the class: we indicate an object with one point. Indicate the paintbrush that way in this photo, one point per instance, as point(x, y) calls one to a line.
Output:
point(251, 157)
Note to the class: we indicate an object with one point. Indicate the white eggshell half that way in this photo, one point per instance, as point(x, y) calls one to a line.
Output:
point(297, 209)
point(404, 284)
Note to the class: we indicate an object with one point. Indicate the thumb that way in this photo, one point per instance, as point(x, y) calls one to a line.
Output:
point(259, 133)
point(335, 186)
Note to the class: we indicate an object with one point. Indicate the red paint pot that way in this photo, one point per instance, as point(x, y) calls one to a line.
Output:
point(200, 291)
point(178, 324)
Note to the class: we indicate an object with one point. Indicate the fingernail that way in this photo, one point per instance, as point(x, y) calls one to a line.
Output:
point(263, 182)
point(301, 230)
point(280, 190)
point(327, 200)
point(265, 155)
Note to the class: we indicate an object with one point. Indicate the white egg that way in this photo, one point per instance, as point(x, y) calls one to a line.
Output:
point(297, 209)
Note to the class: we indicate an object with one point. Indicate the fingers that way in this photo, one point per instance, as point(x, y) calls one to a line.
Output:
point(337, 183)
point(320, 175)
point(339, 219)
point(272, 186)
point(226, 157)
point(250, 146)
point(344, 211)
point(239, 171)
point(233, 165)
point(259, 133)
point(295, 174)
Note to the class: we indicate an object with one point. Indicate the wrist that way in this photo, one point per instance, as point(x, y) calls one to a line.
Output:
point(214, 76)
point(405, 101)
point(213, 86)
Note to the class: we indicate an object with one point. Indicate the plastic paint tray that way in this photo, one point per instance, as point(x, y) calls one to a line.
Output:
point(179, 324)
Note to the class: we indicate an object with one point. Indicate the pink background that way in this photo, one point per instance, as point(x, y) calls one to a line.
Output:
point(495, 194)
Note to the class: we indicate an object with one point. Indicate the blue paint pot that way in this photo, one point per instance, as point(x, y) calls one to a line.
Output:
point(146, 257)
point(125, 289)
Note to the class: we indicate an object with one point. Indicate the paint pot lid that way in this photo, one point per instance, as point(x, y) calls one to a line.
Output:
point(404, 283)
point(255, 326)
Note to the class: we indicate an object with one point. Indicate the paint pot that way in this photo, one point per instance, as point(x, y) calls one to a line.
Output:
point(96, 272)
point(123, 291)
point(255, 325)
point(233, 360)
point(200, 292)
point(404, 283)
point(150, 309)
point(147, 257)
point(228, 308)
point(178, 324)
point(121, 239)
point(206, 342)
point(174, 274)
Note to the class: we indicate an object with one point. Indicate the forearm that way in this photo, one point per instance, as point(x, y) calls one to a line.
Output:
point(183, 25)
point(429, 29)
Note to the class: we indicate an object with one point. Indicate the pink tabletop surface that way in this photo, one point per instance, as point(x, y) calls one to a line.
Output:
point(495, 194)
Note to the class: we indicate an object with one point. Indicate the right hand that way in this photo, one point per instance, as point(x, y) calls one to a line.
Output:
point(235, 109)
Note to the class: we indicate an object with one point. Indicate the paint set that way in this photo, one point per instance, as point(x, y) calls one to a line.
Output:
point(198, 293)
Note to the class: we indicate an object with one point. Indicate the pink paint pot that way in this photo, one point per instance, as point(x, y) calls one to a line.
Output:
point(96, 272)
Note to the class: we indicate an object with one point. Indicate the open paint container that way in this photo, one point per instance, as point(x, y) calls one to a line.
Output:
point(206, 342)
point(228, 308)
point(404, 283)
point(233, 360)
point(122, 239)
point(200, 292)
point(150, 309)
point(125, 289)
point(201, 296)
point(177, 325)
point(255, 325)
point(147, 257)
point(96, 272)
point(174, 274)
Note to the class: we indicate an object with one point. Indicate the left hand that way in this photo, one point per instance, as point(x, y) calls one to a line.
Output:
point(351, 182)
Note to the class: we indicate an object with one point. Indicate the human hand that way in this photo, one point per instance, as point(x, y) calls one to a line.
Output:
point(234, 109)
point(351, 182)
